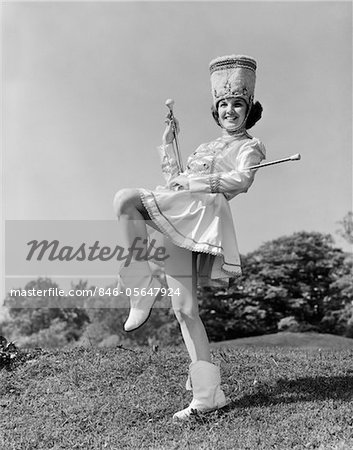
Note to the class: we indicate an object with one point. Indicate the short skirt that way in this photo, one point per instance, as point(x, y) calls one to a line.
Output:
point(202, 223)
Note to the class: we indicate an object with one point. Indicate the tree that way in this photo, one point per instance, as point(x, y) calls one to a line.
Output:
point(291, 276)
point(303, 266)
point(31, 313)
point(339, 301)
point(346, 230)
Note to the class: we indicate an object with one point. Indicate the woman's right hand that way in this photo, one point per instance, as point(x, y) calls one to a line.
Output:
point(171, 128)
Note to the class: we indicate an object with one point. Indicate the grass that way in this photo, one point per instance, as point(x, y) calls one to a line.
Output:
point(90, 398)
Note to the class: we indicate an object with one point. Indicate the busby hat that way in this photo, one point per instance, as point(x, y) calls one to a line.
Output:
point(233, 76)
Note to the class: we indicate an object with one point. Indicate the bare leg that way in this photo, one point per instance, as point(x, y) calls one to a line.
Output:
point(181, 274)
point(204, 377)
point(132, 215)
point(135, 275)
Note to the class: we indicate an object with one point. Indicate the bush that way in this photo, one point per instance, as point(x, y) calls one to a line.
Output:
point(51, 337)
point(289, 324)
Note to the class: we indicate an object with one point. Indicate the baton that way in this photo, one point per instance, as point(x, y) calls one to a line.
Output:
point(295, 157)
point(169, 104)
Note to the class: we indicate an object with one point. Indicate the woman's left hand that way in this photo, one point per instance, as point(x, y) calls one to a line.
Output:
point(180, 180)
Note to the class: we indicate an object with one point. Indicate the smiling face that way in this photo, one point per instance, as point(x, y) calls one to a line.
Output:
point(232, 113)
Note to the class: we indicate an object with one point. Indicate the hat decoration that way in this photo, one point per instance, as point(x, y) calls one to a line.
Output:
point(233, 76)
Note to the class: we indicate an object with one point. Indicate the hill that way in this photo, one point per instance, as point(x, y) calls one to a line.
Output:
point(287, 339)
point(124, 398)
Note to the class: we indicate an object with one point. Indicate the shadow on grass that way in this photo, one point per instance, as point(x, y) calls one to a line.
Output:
point(299, 390)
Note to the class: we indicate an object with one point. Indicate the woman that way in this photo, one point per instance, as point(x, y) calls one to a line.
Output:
point(193, 213)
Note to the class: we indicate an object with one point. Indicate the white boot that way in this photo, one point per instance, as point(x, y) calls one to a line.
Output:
point(207, 393)
point(144, 288)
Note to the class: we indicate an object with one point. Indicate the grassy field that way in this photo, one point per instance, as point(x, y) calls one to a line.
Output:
point(89, 398)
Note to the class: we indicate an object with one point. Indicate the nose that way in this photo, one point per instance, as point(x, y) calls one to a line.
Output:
point(230, 109)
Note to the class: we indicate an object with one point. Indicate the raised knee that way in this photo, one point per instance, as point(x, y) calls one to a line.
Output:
point(123, 201)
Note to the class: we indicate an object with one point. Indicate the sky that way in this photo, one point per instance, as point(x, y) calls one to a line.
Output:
point(85, 83)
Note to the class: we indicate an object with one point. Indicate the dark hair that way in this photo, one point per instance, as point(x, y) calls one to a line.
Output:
point(254, 116)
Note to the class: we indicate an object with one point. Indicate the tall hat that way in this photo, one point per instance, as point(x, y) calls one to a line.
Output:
point(233, 76)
